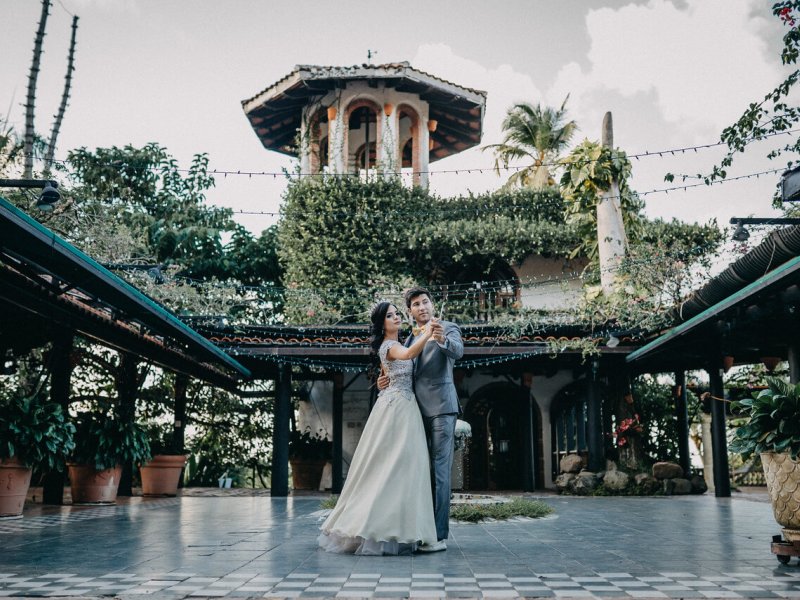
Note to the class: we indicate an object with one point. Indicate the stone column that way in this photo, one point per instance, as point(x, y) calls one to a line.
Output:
point(127, 388)
point(424, 153)
point(280, 432)
point(794, 364)
point(597, 459)
point(611, 241)
point(390, 159)
point(304, 149)
point(528, 452)
point(337, 478)
point(60, 374)
point(337, 153)
point(719, 440)
point(682, 416)
point(708, 450)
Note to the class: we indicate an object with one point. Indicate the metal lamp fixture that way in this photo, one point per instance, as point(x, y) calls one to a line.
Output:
point(46, 200)
point(741, 234)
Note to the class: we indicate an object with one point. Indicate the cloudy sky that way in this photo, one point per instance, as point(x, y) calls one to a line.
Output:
point(674, 73)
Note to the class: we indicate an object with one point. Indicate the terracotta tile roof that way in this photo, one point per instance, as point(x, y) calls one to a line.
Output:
point(400, 68)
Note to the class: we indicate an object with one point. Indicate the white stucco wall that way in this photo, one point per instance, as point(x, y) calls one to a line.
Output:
point(549, 283)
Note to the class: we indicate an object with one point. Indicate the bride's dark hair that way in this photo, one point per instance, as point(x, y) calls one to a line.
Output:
point(377, 318)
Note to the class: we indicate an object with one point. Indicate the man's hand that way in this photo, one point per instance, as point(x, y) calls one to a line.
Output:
point(383, 382)
point(437, 331)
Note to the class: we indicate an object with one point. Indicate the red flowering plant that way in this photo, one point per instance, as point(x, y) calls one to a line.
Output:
point(628, 427)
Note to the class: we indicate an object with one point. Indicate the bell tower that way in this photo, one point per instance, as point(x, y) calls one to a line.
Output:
point(365, 120)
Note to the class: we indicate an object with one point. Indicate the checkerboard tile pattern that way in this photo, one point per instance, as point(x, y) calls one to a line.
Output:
point(421, 585)
point(74, 515)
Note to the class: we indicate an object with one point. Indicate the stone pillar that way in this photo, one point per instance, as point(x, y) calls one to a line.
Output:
point(682, 416)
point(127, 388)
point(794, 364)
point(708, 450)
point(179, 412)
point(528, 452)
point(60, 374)
point(597, 459)
point(611, 241)
point(424, 153)
point(337, 478)
point(337, 153)
point(390, 160)
point(280, 432)
point(304, 146)
point(719, 441)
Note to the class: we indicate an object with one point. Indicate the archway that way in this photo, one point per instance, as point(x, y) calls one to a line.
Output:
point(498, 437)
point(364, 130)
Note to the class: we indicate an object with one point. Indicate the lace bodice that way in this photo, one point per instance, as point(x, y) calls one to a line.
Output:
point(399, 371)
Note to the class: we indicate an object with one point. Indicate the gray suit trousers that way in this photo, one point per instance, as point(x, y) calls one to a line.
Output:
point(441, 431)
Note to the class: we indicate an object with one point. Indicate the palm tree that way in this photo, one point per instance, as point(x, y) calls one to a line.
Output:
point(533, 132)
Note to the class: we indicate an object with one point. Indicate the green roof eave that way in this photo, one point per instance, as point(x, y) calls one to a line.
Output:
point(104, 284)
point(788, 268)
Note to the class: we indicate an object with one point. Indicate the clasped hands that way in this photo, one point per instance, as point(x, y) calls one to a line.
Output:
point(437, 334)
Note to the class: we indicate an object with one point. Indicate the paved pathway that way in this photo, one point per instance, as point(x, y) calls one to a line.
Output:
point(678, 547)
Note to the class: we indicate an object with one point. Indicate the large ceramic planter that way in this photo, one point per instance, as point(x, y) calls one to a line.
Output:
point(782, 473)
point(306, 474)
point(160, 476)
point(15, 479)
point(90, 486)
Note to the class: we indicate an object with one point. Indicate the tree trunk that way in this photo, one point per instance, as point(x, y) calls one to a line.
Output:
point(30, 102)
point(51, 145)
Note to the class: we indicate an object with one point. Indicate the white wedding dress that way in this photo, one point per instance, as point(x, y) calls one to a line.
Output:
point(386, 506)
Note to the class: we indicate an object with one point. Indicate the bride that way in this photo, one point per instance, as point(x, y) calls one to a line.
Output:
point(386, 505)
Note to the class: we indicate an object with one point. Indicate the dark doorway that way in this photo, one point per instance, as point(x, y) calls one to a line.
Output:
point(495, 413)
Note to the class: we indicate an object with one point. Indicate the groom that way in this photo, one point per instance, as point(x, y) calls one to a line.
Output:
point(438, 402)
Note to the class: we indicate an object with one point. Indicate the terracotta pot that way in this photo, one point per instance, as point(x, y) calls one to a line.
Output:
point(306, 474)
point(15, 479)
point(783, 484)
point(160, 476)
point(90, 486)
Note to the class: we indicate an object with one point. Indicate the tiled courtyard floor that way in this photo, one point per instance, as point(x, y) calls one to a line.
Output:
point(256, 546)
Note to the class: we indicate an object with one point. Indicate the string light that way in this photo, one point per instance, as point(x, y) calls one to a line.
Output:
point(410, 173)
point(442, 289)
point(496, 209)
point(365, 362)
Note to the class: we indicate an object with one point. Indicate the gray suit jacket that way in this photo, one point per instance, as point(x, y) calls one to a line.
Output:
point(433, 373)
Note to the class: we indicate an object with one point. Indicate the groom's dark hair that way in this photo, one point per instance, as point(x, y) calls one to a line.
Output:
point(414, 292)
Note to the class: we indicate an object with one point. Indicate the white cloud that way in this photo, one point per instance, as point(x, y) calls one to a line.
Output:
point(504, 87)
point(704, 62)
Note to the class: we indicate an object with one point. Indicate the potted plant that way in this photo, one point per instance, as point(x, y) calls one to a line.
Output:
point(102, 443)
point(308, 454)
point(34, 432)
point(162, 473)
point(772, 429)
